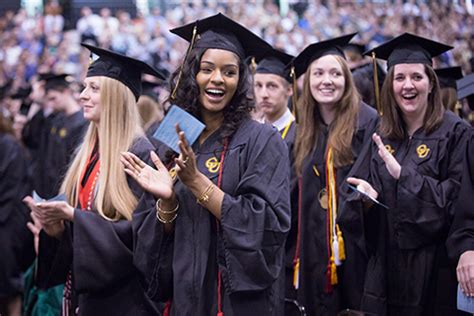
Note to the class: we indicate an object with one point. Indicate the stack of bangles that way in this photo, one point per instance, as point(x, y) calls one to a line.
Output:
point(160, 212)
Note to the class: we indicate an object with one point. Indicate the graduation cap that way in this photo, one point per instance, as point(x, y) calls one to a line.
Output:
point(465, 86)
point(125, 69)
point(408, 49)
point(274, 62)
point(333, 46)
point(447, 76)
point(356, 48)
point(22, 93)
point(148, 89)
point(220, 32)
point(53, 81)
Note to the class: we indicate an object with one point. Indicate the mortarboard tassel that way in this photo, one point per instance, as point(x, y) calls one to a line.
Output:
point(296, 274)
point(340, 241)
point(193, 39)
point(294, 97)
point(376, 85)
point(333, 271)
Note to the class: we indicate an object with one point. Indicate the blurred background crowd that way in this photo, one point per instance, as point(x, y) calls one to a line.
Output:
point(48, 41)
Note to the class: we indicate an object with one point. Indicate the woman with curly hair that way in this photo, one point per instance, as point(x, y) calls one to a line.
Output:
point(86, 241)
point(325, 261)
point(228, 214)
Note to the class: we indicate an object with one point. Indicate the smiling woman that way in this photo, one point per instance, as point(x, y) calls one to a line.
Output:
point(85, 241)
point(333, 127)
point(414, 167)
point(228, 214)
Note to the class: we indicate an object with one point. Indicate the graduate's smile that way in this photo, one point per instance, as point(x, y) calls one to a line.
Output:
point(327, 81)
point(217, 79)
point(411, 87)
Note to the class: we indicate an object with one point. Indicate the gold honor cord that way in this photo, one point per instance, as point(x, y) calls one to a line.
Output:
point(193, 39)
point(376, 85)
point(294, 97)
point(287, 128)
point(336, 241)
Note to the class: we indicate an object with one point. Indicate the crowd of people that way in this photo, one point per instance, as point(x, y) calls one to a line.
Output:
point(324, 182)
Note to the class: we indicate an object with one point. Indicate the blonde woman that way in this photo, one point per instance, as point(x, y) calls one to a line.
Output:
point(86, 241)
point(334, 125)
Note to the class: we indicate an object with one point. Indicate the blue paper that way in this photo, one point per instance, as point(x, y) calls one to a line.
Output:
point(465, 303)
point(38, 199)
point(166, 132)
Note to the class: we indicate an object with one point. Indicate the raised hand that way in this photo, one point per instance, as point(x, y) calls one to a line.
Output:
point(156, 181)
point(391, 163)
point(186, 162)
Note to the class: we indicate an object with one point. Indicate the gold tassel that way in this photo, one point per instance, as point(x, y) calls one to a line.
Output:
point(294, 97)
point(333, 272)
point(296, 274)
point(376, 85)
point(340, 241)
point(193, 39)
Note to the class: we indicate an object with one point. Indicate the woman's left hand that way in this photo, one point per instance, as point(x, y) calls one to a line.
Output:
point(186, 162)
point(465, 272)
point(391, 163)
point(52, 212)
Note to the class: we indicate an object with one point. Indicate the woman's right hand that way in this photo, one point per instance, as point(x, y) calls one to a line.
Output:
point(156, 181)
point(363, 186)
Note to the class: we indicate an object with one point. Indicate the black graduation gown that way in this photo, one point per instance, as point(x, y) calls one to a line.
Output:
point(63, 140)
point(100, 254)
point(408, 272)
point(461, 236)
point(313, 236)
point(249, 246)
point(36, 136)
point(16, 246)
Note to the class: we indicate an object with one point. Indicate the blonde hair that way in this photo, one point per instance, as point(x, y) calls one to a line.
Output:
point(341, 129)
point(150, 111)
point(119, 127)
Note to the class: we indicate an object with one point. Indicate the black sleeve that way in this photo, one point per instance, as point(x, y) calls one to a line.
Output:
point(256, 219)
point(461, 237)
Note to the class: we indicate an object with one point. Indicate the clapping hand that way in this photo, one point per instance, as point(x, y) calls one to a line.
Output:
point(391, 163)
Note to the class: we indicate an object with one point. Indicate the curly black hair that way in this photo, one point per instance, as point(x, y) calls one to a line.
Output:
point(187, 94)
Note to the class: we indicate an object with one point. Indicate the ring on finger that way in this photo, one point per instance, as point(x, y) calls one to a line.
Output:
point(185, 161)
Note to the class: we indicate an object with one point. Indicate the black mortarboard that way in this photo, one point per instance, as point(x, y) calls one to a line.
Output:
point(22, 93)
point(221, 32)
point(149, 89)
point(465, 86)
point(53, 81)
point(447, 76)
point(355, 47)
point(274, 62)
point(125, 69)
point(409, 49)
point(333, 46)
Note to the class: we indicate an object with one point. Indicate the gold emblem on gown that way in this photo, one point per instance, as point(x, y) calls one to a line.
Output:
point(212, 164)
point(323, 199)
point(390, 149)
point(62, 132)
point(422, 151)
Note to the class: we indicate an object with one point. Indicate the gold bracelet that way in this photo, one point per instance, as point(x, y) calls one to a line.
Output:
point(165, 221)
point(159, 209)
point(206, 195)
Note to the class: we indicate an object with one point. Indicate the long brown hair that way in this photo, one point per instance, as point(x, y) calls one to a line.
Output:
point(392, 124)
point(341, 129)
